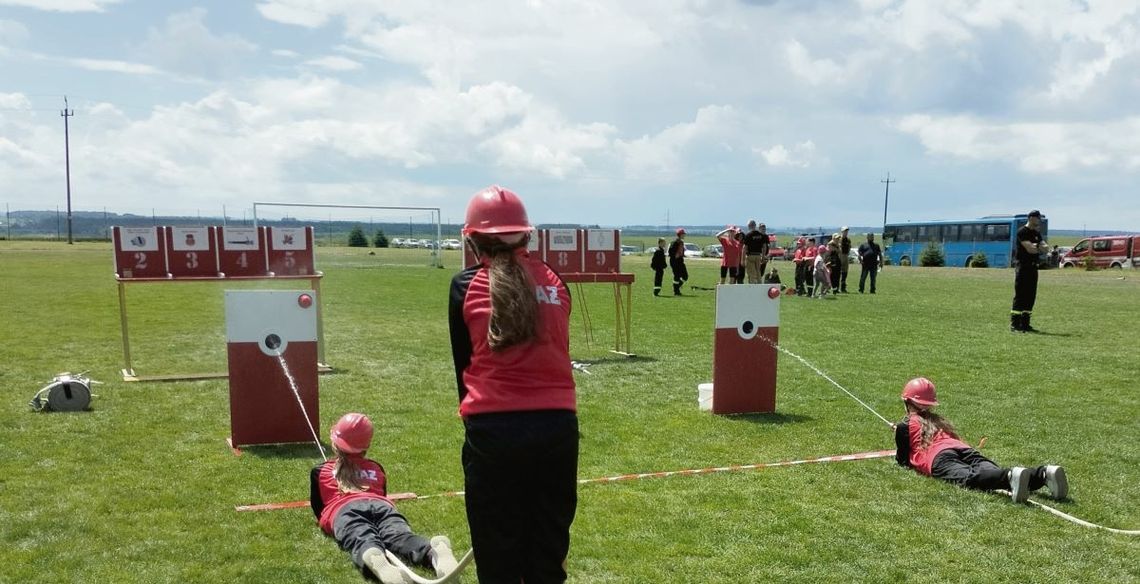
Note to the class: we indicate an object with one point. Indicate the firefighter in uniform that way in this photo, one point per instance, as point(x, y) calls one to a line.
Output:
point(510, 340)
point(658, 264)
point(1029, 247)
point(677, 261)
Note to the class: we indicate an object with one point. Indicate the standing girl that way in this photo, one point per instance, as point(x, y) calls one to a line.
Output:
point(822, 276)
point(732, 246)
point(929, 444)
point(348, 495)
point(509, 319)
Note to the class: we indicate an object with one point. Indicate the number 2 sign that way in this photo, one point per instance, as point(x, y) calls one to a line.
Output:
point(139, 253)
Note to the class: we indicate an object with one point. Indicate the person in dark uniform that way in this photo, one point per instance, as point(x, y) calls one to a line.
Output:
point(509, 318)
point(755, 252)
point(870, 258)
point(658, 264)
point(349, 496)
point(677, 261)
point(844, 258)
point(1029, 247)
point(834, 264)
point(928, 443)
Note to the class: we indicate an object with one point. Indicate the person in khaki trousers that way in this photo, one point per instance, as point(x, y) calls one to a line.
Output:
point(755, 252)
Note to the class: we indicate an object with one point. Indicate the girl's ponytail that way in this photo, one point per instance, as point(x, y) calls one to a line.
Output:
point(514, 306)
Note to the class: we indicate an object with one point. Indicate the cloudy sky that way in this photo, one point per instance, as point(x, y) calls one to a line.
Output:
point(597, 111)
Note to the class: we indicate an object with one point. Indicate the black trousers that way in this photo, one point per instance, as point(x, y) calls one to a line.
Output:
point(801, 268)
point(843, 274)
point(968, 468)
point(680, 275)
point(369, 523)
point(873, 271)
point(521, 479)
point(658, 275)
point(834, 273)
point(1025, 287)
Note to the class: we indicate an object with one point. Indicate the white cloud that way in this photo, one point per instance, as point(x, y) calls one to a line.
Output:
point(296, 13)
point(1035, 147)
point(335, 63)
point(113, 66)
point(62, 5)
point(12, 33)
point(14, 101)
point(814, 71)
point(800, 155)
point(664, 155)
point(285, 53)
point(186, 45)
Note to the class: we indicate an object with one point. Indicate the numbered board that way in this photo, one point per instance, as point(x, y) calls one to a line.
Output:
point(535, 246)
point(241, 252)
point(192, 252)
point(603, 251)
point(290, 251)
point(565, 250)
point(139, 252)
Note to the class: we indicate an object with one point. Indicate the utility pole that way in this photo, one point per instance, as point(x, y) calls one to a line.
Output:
point(886, 196)
point(66, 113)
point(8, 221)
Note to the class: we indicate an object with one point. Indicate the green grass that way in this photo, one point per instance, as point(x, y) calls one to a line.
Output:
point(143, 488)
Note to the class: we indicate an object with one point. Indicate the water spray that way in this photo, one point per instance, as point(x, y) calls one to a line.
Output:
point(304, 412)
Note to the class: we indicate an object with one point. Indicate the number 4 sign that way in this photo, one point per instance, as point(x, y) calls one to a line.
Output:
point(241, 251)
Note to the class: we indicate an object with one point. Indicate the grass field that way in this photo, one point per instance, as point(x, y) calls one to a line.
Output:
point(143, 488)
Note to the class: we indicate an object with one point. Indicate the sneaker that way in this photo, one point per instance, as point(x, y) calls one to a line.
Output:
point(442, 559)
point(1057, 482)
point(1019, 484)
point(379, 565)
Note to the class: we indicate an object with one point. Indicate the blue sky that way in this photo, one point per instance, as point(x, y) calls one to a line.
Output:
point(610, 112)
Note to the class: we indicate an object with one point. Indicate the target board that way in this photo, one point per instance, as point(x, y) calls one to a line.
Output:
point(139, 253)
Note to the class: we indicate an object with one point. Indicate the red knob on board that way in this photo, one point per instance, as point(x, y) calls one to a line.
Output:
point(304, 301)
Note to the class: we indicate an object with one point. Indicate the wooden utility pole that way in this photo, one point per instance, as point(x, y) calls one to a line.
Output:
point(886, 196)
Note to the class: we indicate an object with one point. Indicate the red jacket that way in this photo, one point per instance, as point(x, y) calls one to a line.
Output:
point(732, 251)
point(534, 376)
point(325, 496)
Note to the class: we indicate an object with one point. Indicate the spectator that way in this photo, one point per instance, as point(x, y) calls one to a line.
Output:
point(834, 264)
point(677, 261)
point(822, 277)
point(731, 242)
point(801, 266)
point(809, 258)
point(755, 252)
point(844, 257)
point(658, 264)
point(870, 259)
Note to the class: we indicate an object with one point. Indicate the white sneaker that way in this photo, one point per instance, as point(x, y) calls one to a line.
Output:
point(1019, 484)
point(442, 559)
point(379, 565)
point(1057, 482)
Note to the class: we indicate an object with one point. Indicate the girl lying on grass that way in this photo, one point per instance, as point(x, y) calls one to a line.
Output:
point(348, 496)
point(929, 444)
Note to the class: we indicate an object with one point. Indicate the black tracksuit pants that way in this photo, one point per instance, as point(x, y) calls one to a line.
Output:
point(968, 468)
point(801, 268)
point(369, 523)
point(872, 271)
point(1025, 287)
point(680, 274)
point(521, 481)
point(658, 276)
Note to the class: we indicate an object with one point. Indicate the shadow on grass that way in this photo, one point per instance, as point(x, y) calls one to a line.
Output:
point(774, 418)
point(301, 450)
point(618, 360)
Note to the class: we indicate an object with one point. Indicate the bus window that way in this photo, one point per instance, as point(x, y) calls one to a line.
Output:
point(950, 232)
point(905, 234)
point(928, 233)
point(997, 232)
point(973, 232)
point(889, 234)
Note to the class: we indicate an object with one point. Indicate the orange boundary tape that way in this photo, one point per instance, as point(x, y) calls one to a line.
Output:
point(618, 478)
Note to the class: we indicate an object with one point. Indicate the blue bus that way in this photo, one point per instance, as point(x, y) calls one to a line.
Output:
point(960, 241)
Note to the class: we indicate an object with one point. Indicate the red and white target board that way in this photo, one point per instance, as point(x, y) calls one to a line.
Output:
point(291, 251)
point(744, 349)
point(241, 252)
point(139, 252)
point(565, 250)
point(603, 250)
point(271, 344)
point(192, 252)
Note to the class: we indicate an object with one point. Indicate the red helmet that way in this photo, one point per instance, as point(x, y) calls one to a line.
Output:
point(680, 231)
point(352, 433)
point(920, 390)
point(495, 210)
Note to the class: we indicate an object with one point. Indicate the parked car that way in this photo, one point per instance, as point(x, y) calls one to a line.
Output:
point(397, 242)
point(628, 250)
point(452, 244)
point(692, 250)
point(715, 250)
point(776, 252)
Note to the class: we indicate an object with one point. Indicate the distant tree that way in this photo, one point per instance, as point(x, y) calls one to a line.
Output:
point(932, 256)
point(380, 240)
point(356, 238)
point(980, 260)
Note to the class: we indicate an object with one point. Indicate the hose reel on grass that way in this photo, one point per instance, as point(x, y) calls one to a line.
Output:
point(65, 393)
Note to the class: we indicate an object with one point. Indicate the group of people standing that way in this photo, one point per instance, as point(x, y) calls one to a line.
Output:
point(820, 268)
